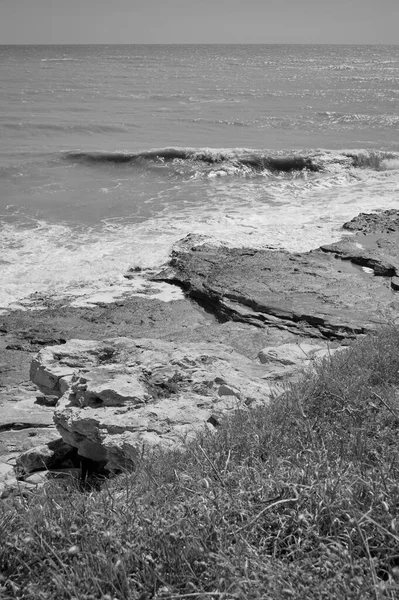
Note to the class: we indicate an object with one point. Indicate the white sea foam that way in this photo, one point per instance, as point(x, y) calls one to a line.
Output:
point(87, 266)
point(390, 164)
point(67, 58)
point(56, 262)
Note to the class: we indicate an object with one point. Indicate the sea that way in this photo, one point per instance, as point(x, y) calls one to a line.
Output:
point(110, 155)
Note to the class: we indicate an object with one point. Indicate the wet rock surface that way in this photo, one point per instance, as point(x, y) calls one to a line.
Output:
point(386, 221)
point(311, 294)
point(379, 253)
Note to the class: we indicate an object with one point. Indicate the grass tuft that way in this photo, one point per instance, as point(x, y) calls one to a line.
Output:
point(295, 499)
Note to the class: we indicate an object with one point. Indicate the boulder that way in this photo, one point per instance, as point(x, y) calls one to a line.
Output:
point(53, 372)
point(127, 395)
point(14, 442)
point(49, 401)
point(45, 456)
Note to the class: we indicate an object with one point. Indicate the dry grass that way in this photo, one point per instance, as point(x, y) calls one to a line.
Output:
point(298, 499)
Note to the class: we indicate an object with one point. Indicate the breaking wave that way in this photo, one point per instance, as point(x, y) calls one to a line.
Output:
point(240, 161)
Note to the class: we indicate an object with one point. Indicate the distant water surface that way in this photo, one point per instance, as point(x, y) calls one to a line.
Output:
point(110, 154)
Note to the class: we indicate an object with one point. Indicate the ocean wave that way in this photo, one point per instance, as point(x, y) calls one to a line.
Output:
point(65, 127)
point(194, 99)
point(61, 59)
point(295, 214)
point(388, 120)
point(240, 161)
point(230, 123)
point(343, 67)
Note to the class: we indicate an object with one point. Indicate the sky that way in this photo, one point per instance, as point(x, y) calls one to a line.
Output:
point(199, 21)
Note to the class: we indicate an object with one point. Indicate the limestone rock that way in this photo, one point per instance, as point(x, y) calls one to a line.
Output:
point(14, 442)
point(288, 354)
point(44, 456)
point(386, 221)
point(49, 401)
point(56, 366)
point(18, 410)
point(107, 386)
point(352, 250)
point(310, 294)
point(125, 395)
point(8, 479)
point(285, 359)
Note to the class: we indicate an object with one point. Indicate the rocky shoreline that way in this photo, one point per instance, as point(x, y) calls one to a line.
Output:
point(149, 372)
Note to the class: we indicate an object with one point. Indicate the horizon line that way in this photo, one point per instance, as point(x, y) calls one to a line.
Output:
point(199, 44)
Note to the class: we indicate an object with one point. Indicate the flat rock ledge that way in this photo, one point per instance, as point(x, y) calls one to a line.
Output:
point(323, 293)
point(120, 396)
